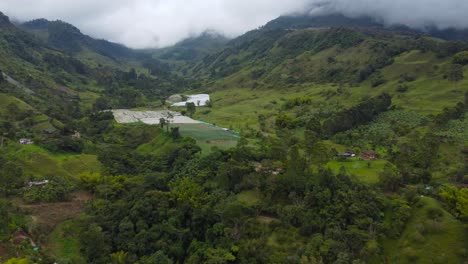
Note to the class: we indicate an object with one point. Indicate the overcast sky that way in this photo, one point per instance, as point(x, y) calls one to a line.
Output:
point(158, 23)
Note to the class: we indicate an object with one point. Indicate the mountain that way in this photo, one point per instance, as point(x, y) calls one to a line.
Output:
point(339, 20)
point(307, 21)
point(194, 48)
point(68, 38)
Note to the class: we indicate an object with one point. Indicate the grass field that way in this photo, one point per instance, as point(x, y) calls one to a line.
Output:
point(209, 136)
point(39, 163)
point(429, 241)
point(360, 168)
point(249, 198)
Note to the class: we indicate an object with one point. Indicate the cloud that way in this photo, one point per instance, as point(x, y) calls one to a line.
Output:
point(159, 23)
point(414, 13)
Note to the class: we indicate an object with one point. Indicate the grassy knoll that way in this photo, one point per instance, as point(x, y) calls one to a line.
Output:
point(428, 239)
point(38, 162)
point(63, 244)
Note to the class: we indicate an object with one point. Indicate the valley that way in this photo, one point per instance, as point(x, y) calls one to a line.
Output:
point(306, 140)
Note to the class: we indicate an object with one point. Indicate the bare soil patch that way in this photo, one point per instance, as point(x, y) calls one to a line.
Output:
point(49, 215)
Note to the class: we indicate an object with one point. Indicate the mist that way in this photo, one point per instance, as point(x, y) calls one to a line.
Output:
point(160, 23)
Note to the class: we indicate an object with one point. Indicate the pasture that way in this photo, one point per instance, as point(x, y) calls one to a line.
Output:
point(208, 136)
point(365, 171)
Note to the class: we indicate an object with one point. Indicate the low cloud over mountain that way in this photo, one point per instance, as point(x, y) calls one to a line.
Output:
point(158, 23)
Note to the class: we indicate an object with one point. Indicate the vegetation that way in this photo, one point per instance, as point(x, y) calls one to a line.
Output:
point(352, 147)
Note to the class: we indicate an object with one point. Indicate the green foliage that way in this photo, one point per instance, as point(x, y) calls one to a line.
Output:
point(358, 115)
point(390, 178)
point(415, 157)
point(11, 177)
point(191, 108)
point(268, 200)
point(456, 200)
point(57, 190)
point(383, 131)
point(461, 58)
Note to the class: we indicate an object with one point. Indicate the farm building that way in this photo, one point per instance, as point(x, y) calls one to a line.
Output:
point(25, 141)
point(369, 155)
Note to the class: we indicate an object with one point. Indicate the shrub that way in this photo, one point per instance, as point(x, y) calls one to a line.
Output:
point(57, 190)
point(402, 88)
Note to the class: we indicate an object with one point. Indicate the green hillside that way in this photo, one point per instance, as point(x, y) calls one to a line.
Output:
point(326, 140)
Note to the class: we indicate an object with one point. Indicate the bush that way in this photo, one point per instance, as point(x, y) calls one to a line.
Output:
point(406, 78)
point(402, 88)
point(57, 190)
point(378, 80)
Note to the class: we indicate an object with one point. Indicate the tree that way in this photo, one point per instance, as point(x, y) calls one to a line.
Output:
point(218, 256)
point(158, 257)
point(102, 103)
point(162, 122)
point(455, 73)
point(10, 177)
point(130, 97)
point(191, 108)
point(95, 246)
point(13, 111)
point(175, 133)
point(390, 178)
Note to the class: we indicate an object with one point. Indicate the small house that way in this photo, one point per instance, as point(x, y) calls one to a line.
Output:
point(346, 154)
point(369, 155)
point(25, 141)
point(37, 183)
point(76, 135)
